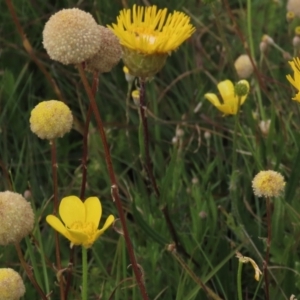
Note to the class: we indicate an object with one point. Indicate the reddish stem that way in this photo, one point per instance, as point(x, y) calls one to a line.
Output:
point(114, 186)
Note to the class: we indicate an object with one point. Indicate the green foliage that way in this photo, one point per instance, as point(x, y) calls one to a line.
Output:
point(204, 176)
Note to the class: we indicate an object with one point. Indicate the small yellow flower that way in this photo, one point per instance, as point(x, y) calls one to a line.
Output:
point(268, 184)
point(81, 220)
point(148, 35)
point(245, 259)
point(51, 119)
point(136, 97)
point(230, 101)
point(295, 64)
point(129, 78)
point(11, 285)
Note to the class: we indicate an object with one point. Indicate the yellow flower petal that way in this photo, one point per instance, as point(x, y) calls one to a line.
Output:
point(107, 223)
point(93, 210)
point(58, 226)
point(213, 99)
point(78, 237)
point(71, 209)
point(227, 109)
point(297, 97)
point(226, 90)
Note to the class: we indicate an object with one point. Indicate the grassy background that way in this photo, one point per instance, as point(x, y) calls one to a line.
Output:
point(210, 201)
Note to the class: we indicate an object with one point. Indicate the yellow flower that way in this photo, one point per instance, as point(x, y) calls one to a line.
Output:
point(11, 285)
point(268, 184)
point(148, 35)
point(81, 220)
point(295, 64)
point(51, 119)
point(230, 101)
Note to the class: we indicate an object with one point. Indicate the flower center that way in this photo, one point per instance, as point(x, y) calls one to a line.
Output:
point(87, 227)
point(145, 34)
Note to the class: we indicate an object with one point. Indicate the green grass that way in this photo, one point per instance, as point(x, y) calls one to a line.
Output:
point(213, 216)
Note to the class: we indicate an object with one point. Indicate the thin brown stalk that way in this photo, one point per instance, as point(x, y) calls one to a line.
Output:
point(55, 210)
point(114, 186)
point(29, 272)
point(266, 262)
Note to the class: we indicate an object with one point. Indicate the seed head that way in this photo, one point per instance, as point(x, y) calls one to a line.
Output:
point(108, 55)
point(11, 285)
point(243, 66)
point(71, 36)
point(51, 119)
point(16, 218)
point(268, 184)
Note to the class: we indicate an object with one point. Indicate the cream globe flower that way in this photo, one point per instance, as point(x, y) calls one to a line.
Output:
point(80, 220)
point(295, 64)
point(230, 100)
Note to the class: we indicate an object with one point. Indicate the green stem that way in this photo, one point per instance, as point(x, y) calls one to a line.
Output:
point(239, 281)
point(84, 294)
point(251, 46)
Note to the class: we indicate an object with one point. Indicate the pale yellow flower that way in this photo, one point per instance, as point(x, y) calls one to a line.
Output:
point(80, 220)
point(230, 101)
point(51, 119)
point(11, 285)
point(295, 64)
point(268, 184)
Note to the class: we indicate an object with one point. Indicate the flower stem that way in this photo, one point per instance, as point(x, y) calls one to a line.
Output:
point(266, 262)
point(239, 281)
point(29, 272)
point(55, 210)
point(114, 186)
point(84, 293)
point(146, 136)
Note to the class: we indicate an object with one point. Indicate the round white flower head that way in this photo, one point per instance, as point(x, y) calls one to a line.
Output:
point(71, 36)
point(109, 54)
point(16, 218)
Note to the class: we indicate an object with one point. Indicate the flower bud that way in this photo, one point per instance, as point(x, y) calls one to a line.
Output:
point(129, 78)
point(241, 88)
point(243, 66)
point(11, 285)
point(17, 218)
point(136, 97)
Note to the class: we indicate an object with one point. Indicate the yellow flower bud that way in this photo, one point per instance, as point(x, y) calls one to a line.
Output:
point(51, 119)
point(11, 285)
point(17, 218)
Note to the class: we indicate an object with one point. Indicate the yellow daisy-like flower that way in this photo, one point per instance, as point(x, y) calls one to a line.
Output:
point(268, 184)
point(148, 35)
point(295, 64)
point(81, 220)
point(230, 100)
